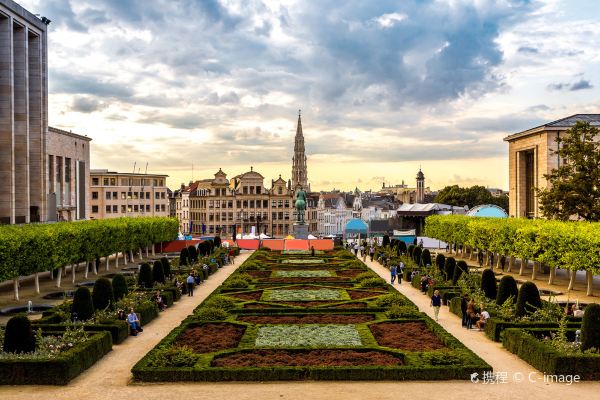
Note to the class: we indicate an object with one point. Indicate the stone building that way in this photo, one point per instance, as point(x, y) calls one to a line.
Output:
point(115, 194)
point(530, 156)
point(23, 114)
point(333, 213)
point(409, 195)
point(299, 165)
point(68, 163)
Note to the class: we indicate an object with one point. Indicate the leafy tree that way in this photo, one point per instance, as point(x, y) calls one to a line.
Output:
point(184, 257)
point(470, 196)
point(416, 255)
point(574, 187)
point(385, 241)
point(19, 337)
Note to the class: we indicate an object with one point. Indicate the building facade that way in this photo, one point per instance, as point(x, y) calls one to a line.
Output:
point(332, 214)
point(115, 194)
point(23, 114)
point(409, 195)
point(68, 161)
point(530, 156)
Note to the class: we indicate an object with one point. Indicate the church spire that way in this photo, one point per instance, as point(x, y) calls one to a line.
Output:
point(299, 172)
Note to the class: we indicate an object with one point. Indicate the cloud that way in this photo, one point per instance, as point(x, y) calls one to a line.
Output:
point(71, 83)
point(582, 84)
point(528, 50)
point(85, 104)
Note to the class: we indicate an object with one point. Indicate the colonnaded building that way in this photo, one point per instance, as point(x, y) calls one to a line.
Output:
point(530, 156)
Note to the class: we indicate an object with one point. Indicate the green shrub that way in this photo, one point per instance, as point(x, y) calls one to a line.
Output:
point(528, 300)
point(385, 241)
point(364, 275)
point(488, 284)
point(19, 337)
point(410, 250)
point(166, 267)
point(426, 257)
point(397, 311)
point(461, 267)
point(222, 302)
point(402, 247)
point(449, 266)
point(184, 257)
point(145, 276)
point(507, 288)
point(590, 328)
point(236, 282)
point(103, 296)
point(119, 284)
point(217, 241)
point(83, 307)
point(440, 261)
point(392, 299)
point(416, 255)
point(182, 356)
point(372, 282)
point(211, 314)
point(250, 266)
point(158, 274)
point(193, 254)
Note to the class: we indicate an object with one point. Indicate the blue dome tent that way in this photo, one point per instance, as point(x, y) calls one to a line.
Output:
point(356, 228)
point(487, 210)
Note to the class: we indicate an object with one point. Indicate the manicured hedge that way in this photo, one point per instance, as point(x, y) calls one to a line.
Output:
point(544, 357)
point(57, 371)
point(119, 330)
point(495, 326)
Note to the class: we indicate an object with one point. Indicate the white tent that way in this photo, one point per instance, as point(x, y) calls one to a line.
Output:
point(312, 237)
point(263, 236)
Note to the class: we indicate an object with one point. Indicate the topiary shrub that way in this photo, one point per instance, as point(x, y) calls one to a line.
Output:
point(119, 285)
point(222, 302)
point(488, 284)
point(392, 299)
point(590, 328)
point(410, 250)
point(506, 289)
point(83, 307)
point(416, 255)
point(145, 276)
point(402, 247)
point(385, 241)
point(426, 257)
point(440, 261)
point(184, 257)
point(372, 282)
point(461, 268)
point(166, 265)
point(18, 336)
point(217, 241)
point(449, 266)
point(528, 299)
point(193, 254)
point(211, 314)
point(103, 296)
point(158, 274)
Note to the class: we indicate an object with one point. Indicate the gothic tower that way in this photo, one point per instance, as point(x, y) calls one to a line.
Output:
point(299, 173)
point(420, 187)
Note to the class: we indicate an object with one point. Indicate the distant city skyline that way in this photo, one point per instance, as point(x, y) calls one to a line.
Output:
point(383, 86)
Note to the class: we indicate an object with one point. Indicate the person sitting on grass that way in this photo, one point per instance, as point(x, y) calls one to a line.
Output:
point(134, 322)
point(483, 317)
point(159, 301)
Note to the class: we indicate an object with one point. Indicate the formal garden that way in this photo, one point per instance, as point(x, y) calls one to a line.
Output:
point(295, 316)
point(526, 320)
point(73, 335)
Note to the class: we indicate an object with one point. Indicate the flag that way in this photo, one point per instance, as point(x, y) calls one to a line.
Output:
point(203, 228)
point(191, 226)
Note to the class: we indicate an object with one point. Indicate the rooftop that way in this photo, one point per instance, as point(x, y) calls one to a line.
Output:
point(558, 125)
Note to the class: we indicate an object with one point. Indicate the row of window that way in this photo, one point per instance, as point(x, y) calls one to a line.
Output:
point(128, 182)
point(239, 203)
point(278, 229)
point(130, 195)
point(114, 209)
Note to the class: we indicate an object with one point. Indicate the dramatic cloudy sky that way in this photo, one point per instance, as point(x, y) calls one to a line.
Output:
point(384, 86)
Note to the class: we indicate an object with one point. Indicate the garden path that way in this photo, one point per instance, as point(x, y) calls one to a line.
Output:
point(110, 378)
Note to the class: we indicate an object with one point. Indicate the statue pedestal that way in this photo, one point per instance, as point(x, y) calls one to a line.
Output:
point(300, 231)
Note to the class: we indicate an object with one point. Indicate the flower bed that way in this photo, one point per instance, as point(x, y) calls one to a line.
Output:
point(211, 337)
point(307, 319)
point(300, 261)
point(307, 336)
point(302, 273)
point(302, 295)
point(412, 336)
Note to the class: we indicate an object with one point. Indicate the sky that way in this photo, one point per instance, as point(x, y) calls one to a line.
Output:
point(385, 87)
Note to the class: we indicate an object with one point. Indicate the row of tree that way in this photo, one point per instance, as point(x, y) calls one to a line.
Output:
point(573, 245)
point(470, 196)
point(34, 248)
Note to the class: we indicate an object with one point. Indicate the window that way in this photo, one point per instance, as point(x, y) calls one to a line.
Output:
point(245, 203)
point(211, 204)
point(123, 196)
point(136, 208)
point(95, 209)
point(114, 195)
point(115, 209)
point(123, 209)
point(265, 203)
point(274, 215)
point(147, 195)
point(108, 209)
point(245, 191)
point(251, 203)
point(230, 204)
point(94, 195)
point(95, 181)
point(113, 181)
point(157, 195)
point(129, 209)
point(162, 207)
point(105, 181)
point(239, 204)
point(156, 208)
point(135, 195)
point(287, 204)
point(162, 195)
point(107, 195)
point(280, 190)
point(273, 203)
point(258, 190)
point(280, 203)
point(147, 207)
point(129, 195)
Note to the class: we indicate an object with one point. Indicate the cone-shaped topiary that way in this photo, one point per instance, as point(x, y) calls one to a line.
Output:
point(440, 261)
point(119, 284)
point(426, 257)
point(83, 307)
point(193, 252)
point(461, 268)
point(590, 327)
point(103, 296)
point(411, 249)
point(217, 241)
point(157, 272)
point(166, 266)
point(416, 256)
point(402, 247)
point(528, 299)
point(184, 257)
point(385, 241)
point(488, 284)
point(145, 276)
point(506, 289)
point(18, 336)
point(449, 266)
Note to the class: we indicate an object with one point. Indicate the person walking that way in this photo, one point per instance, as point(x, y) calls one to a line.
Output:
point(190, 284)
point(502, 261)
point(363, 252)
point(372, 252)
point(480, 258)
point(394, 271)
point(436, 303)
point(464, 301)
point(312, 251)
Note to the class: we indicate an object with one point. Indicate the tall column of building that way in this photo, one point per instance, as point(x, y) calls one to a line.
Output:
point(420, 187)
point(7, 200)
point(37, 163)
point(299, 170)
point(21, 123)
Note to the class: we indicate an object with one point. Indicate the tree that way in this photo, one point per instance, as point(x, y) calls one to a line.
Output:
point(488, 284)
point(158, 275)
point(574, 187)
point(103, 295)
point(120, 288)
point(145, 276)
point(470, 196)
point(83, 307)
point(528, 300)
point(507, 288)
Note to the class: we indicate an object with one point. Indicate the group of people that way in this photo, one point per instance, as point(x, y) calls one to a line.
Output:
point(574, 311)
point(396, 272)
point(473, 314)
